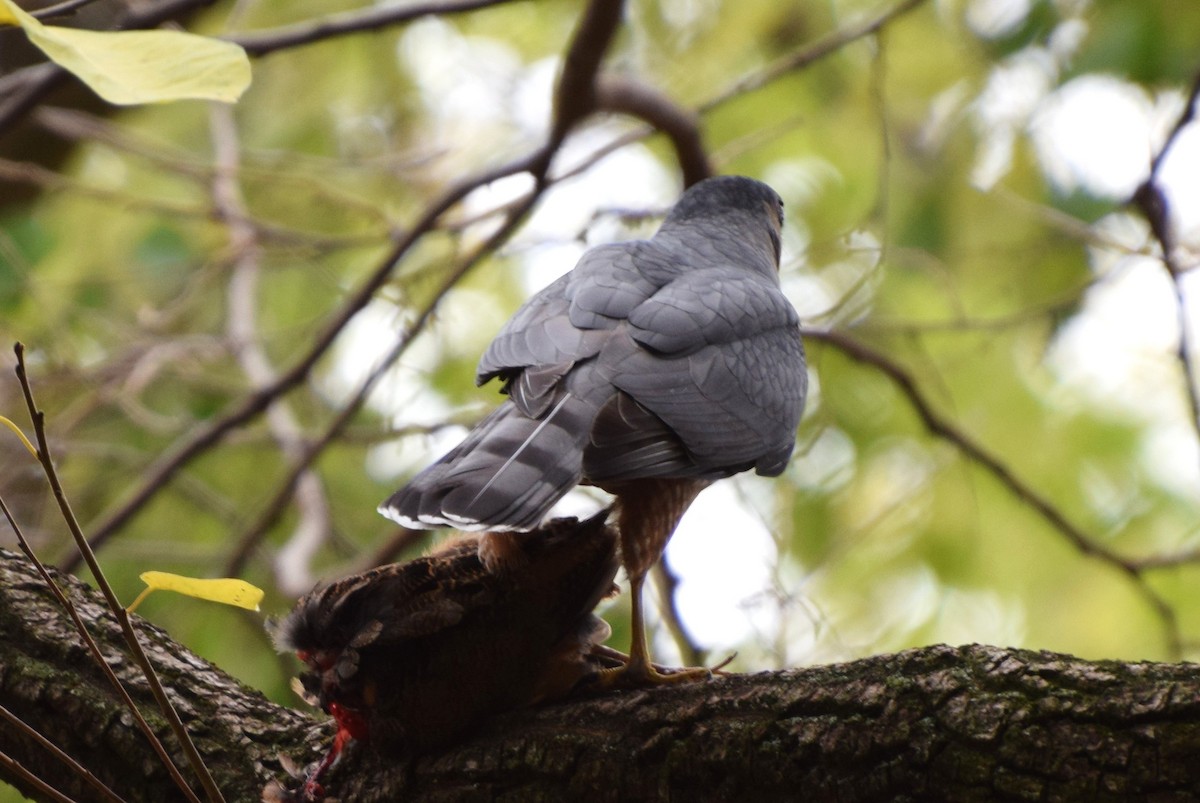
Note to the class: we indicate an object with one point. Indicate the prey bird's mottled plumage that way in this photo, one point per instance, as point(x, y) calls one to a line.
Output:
point(651, 369)
point(408, 657)
point(418, 652)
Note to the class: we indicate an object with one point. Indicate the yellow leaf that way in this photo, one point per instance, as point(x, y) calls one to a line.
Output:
point(128, 67)
point(20, 435)
point(227, 590)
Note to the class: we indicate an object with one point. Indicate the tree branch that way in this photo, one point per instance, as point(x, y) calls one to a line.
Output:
point(935, 724)
point(372, 18)
point(293, 562)
point(682, 126)
point(808, 55)
point(1027, 494)
point(1151, 201)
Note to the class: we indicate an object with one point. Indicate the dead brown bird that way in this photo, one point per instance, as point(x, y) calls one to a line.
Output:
point(410, 656)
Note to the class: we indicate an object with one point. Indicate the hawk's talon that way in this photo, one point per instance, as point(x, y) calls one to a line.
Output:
point(648, 676)
point(620, 673)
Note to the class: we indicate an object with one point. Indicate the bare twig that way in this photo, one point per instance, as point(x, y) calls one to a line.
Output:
point(667, 583)
point(60, 9)
point(118, 611)
point(592, 38)
point(1151, 201)
point(37, 783)
point(682, 126)
point(274, 509)
point(1045, 509)
point(97, 656)
point(1185, 118)
point(163, 470)
point(292, 569)
point(826, 45)
point(44, 179)
point(615, 95)
point(51, 747)
point(372, 18)
point(802, 58)
point(575, 93)
point(22, 90)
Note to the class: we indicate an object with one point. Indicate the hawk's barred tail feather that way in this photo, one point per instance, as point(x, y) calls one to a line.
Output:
point(505, 476)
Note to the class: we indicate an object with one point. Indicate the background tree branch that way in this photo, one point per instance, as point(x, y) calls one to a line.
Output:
point(937, 723)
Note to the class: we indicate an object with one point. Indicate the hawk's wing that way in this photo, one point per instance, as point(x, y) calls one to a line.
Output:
point(708, 361)
point(719, 361)
point(566, 323)
point(674, 357)
point(569, 320)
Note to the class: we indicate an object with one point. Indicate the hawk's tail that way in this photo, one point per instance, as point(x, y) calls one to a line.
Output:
point(506, 475)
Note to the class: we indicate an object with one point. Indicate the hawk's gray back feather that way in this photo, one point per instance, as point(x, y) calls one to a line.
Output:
point(677, 356)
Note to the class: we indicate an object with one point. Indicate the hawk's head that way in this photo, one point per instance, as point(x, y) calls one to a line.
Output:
point(734, 206)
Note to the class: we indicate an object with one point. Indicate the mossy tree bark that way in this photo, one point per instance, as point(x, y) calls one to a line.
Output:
point(938, 723)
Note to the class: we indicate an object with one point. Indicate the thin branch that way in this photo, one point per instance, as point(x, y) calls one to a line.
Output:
point(575, 93)
point(131, 639)
point(1185, 119)
point(682, 126)
point(613, 95)
point(881, 210)
point(801, 59)
point(77, 126)
point(825, 46)
point(1151, 201)
point(28, 777)
point(1045, 509)
point(49, 180)
point(163, 470)
point(292, 564)
point(591, 39)
point(63, 9)
point(275, 508)
point(50, 746)
point(667, 584)
point(374, 18)
point(1166, 561)
point(22, 90)
point(97, 656)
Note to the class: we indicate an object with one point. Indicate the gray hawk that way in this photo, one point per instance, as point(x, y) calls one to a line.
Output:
point(649, 370)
